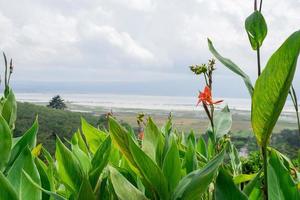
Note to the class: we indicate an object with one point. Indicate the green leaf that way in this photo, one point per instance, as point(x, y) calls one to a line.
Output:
point(201, 147)
point(150, 171)
point(27, 140)
point(191, 137)
point(9, 109)
point(100, 160)
point(123, 188)
point(232, 66)
point(68, 166)
point(86, 191)
point(114, 156)
point(22, 186)
point(256, 29)
point(82, 158)
point(172, 166)
point(48, 157)
point(167, 128)
point(281, 185)
point(120, 138)
point(153, 141)
point(253, 188)
point(190, 158)
point(93, 136)
point(51, 168)
point(6, 189)
point(210, 148)
point(235, 161)
point(272, 88)
point(226, 189)
point(52, 194)
point(241, 178)
point(222, 122)
point(193, 185)
point(45, 183)
point(77, 139)
point(5, 142)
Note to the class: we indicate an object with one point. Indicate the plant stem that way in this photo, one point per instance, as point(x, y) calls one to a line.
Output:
point(5, 73)
point(258, 61)
point(260, 5)
point(255, 4)
point(295, 102)
point(205, 78)
point(265, 163)
point(298, 121)
point(208, 115)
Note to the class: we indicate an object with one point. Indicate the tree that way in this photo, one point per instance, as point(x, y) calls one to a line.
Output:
point(57, 103)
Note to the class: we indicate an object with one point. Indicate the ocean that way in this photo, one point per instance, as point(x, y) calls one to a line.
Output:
point(116, 101)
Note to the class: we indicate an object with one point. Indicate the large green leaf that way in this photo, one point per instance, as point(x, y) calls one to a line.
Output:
point(172, 166)
point(226, 189)
point(100, 160)
point(93, 136)
point(272, 88)
point(193, 185)
point(27, 140)
point(24, 189)
point(201, 147)
point(68, 166)
point(123, 188)
point(9, 109)
point(86, 191)
point(235, 161)
point(120, 138)
point(52, 194)
point(6, 189)
point(45, 182)
point(256, 28)
point(51, 168)
point(281, 185)
point(222, 122)
point(149, 170)
point(5, 142)
point(253, 188)
point(191, 163)
point(153, 141)
point(232, 66)
point(82, 158)
point(77, 139)
point(210, 148)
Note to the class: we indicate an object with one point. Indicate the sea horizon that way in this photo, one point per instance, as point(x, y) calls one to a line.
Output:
point(134, 101)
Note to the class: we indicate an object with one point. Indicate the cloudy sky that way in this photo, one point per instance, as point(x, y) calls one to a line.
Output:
point(136, 46)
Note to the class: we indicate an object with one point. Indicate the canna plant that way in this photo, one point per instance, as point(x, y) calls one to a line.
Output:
point(15, 153)
point(159, 162)
point(114, 163)
point(269, 95)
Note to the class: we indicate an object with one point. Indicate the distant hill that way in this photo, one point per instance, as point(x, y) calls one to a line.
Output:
point(51, 122)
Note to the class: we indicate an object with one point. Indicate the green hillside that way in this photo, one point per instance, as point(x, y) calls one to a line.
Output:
point(51, 122)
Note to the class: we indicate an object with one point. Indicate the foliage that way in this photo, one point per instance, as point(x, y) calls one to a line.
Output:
point(164, 164)
point(269, 95)
point(57, 103)
point(251, 164)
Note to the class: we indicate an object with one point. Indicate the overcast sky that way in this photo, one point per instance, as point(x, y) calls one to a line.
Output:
point(133, 43)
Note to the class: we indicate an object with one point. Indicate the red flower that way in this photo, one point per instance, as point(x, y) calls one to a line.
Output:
point(206, 97)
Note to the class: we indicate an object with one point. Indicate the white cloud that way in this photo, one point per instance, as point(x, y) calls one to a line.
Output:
point(154, 39)
point(121, 40)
